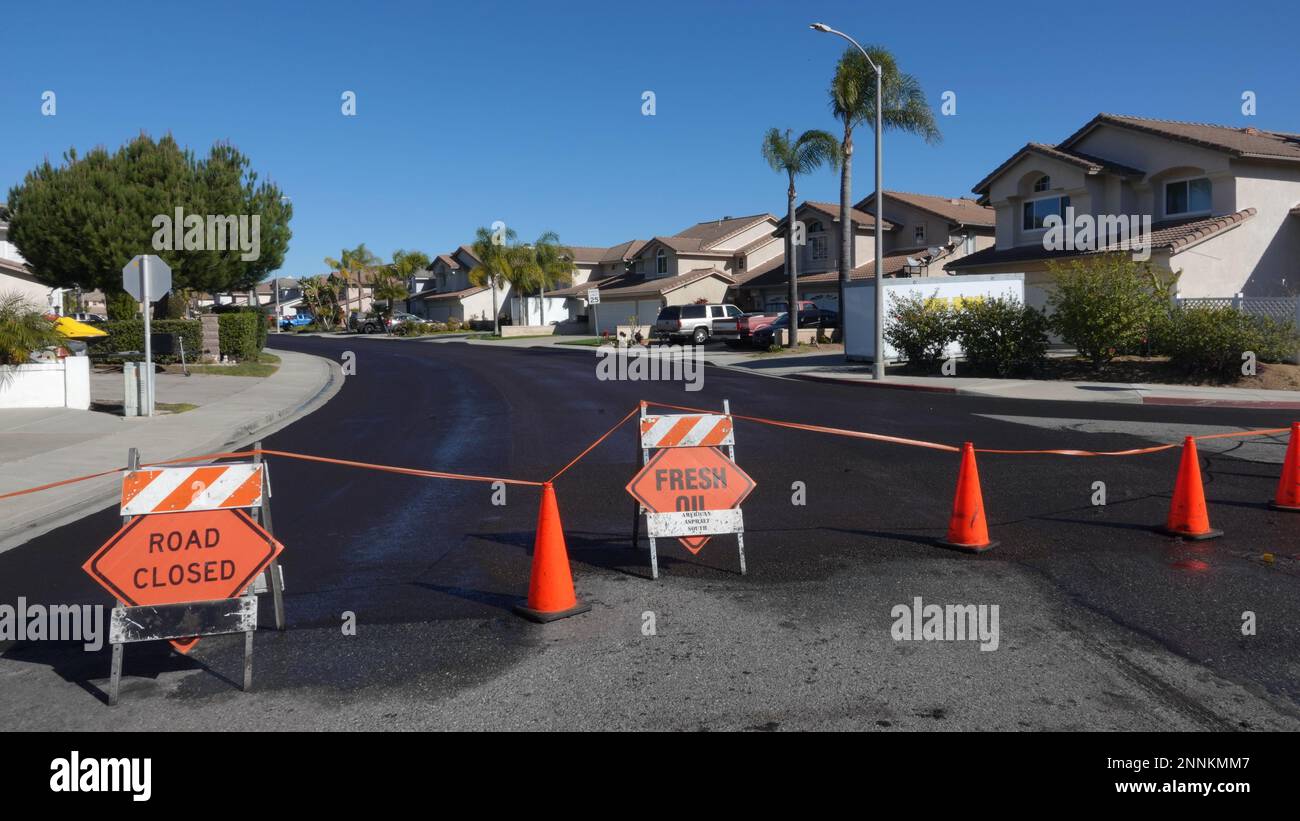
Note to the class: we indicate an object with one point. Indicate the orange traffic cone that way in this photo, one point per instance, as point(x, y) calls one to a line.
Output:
point(550, 592)
point(1288, 485)
point(967, 529)
point(1188, 517)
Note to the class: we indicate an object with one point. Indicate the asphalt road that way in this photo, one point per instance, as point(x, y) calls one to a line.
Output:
point(1103, 624)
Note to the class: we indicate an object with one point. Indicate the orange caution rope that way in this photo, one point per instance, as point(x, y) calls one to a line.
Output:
point(879, 437)
point(593, 445)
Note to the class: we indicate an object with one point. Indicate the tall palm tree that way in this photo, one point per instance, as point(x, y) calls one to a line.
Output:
point(353, 264)
point(499, 263)
point(395, 283)
point(853, 102)
point(551, 264)
point(813, 149)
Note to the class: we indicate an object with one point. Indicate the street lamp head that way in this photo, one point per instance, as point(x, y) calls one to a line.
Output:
point(820, 27)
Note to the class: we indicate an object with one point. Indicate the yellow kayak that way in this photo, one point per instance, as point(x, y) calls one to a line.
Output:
point(73, 329)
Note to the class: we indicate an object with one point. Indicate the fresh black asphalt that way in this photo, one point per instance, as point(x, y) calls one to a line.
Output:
point(437, 565)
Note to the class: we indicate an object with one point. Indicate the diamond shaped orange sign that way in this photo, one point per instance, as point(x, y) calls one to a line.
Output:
point(690, 479)
point(168, 558)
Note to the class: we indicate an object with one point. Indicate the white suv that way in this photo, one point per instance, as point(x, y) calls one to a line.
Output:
point(698, 323)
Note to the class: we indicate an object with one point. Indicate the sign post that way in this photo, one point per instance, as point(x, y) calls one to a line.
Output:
point(689, 489)
point(146, 277)
point(593, 299)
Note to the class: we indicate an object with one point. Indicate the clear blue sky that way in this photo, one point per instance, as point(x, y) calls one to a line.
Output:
point(530, 113)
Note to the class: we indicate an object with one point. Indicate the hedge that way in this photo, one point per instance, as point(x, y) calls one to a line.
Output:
point(242, 334)
point(128, 335)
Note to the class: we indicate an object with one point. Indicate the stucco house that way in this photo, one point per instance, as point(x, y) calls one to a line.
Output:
point(697, 264)
point(919, 233)
point(16, 279)
point(1223, 204)
point(445, 291)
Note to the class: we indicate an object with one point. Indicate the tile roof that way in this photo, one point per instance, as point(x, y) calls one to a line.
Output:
point(1170, 235)
point(630, 286)
point(961, 211)
point(861, 218)
point(703, 237)
point(894, 264)
point(1091, 165)
point(1238, 141)
point(434, 296)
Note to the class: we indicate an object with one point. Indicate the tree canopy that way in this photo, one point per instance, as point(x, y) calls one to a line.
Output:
point(81, 221)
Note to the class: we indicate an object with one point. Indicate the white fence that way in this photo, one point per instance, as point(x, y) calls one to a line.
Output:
point(859, 298)
point(1281, 308)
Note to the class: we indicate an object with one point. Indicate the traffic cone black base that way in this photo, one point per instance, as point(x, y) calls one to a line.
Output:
point(1290, 508)
point(1191, 537)
point(967, 548)
point(543, 616)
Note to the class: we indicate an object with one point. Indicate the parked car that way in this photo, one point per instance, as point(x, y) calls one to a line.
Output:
point(376, 323)
point(810, 316)
point(698, 323)
point(82, 316)
point(764, 336)
point(297, 320)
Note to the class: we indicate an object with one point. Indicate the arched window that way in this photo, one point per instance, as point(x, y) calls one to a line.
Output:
point(815, 227)
point(661, 262)
point(1043, 183)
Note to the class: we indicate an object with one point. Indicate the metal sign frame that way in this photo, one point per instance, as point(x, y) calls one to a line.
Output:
point(170, 622)
point(686, 523)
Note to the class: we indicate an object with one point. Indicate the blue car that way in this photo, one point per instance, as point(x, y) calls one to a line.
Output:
point(296, 321)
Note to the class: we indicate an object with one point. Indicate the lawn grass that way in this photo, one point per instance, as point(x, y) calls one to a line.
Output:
point(265, 365)
point(592, 342)
point(496, 338)
point(174, 407)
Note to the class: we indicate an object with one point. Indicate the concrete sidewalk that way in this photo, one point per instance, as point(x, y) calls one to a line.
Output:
point(1056, 390)
point(39, 446)
point(827, 364)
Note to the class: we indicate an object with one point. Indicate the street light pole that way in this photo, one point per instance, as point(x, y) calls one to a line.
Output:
point(878, 359)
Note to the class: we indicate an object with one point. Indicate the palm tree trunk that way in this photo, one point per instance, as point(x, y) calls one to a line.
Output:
point(846, 225)
point(792, 267)
point(496, 313)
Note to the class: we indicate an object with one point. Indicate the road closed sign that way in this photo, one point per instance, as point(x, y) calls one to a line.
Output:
point(170, 558)
point(691, 493)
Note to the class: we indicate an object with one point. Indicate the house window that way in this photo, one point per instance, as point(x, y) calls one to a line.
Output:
point(1187, 197)
point(918, 235)
point(817, 246)
point(1038, 210)
point(661, 262)
point(1043, 183)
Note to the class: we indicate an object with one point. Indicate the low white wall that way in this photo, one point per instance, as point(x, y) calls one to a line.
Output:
point(859, 296)
point(527, 330)
point(63, 384)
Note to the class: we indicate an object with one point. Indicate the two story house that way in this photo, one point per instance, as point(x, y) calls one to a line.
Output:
point(697, 264)
point(1223, 204)
point(919, 233)
point(445, 292)
point(16, 279)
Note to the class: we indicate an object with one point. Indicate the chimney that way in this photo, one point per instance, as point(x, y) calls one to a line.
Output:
point(1251, 130)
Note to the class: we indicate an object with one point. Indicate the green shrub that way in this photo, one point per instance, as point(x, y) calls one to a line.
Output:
point(454, 324)
point(1210, 342)
point(1001, 336)
point(23, 329)
point(121, 305)
point(921, 328)
point(1108, 304)
point(128, 335)
point(242, 334)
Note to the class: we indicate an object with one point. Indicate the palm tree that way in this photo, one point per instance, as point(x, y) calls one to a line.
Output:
point(853, 102)
point(498, 264)
point(802, 156)
point(395, 282)
point(550, 264)
point(353, 263)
